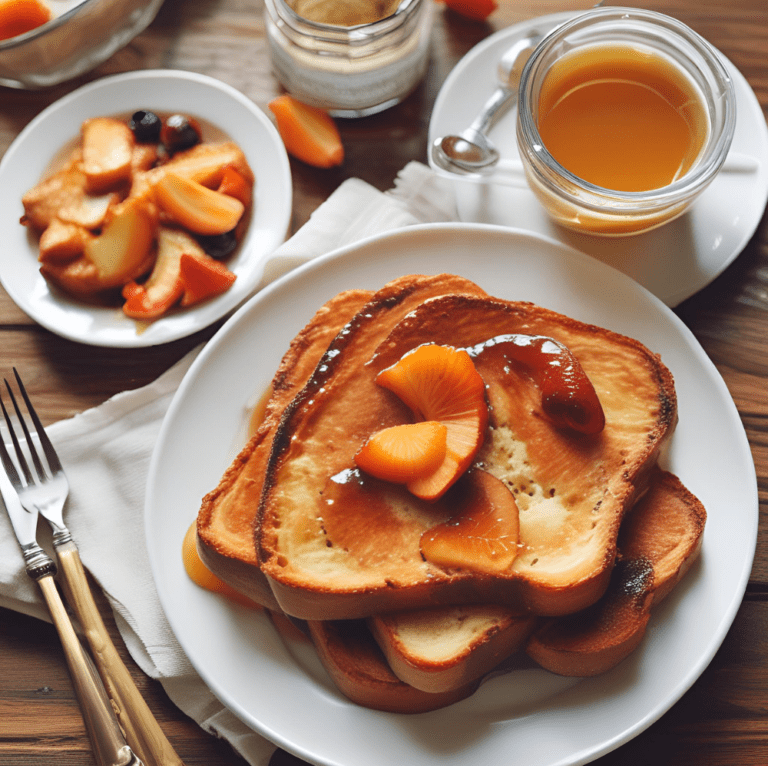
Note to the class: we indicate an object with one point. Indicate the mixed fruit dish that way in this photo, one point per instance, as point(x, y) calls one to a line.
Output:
point(142, 213)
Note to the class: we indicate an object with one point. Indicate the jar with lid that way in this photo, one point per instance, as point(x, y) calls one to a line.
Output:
point(350, 69)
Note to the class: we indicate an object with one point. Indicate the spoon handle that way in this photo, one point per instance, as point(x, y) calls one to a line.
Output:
point(493, 108)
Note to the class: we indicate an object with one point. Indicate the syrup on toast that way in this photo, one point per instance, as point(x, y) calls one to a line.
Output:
point(338, 545)
point(227, 515)
point(659, 541)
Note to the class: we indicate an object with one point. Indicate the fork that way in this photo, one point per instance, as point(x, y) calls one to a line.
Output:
point(45, 491)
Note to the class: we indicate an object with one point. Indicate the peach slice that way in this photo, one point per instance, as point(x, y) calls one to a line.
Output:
point(403, 453)
point(484, 535)
point(204, 163)
point(197, 208)
point(107, 153)
point(202, 576)
point(441, 383)
point(203, 277)
point(164, 287)
point(309, 133)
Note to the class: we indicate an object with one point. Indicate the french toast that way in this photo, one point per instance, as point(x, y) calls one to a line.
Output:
point(438, 672)
point(335, 544)
point(227, 514)
point(659, 541)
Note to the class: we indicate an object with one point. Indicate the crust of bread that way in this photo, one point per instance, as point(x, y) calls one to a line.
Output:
point(346, 561)
point(357, 666)
point(446, 648)
point(659, 541)
point(227, 513)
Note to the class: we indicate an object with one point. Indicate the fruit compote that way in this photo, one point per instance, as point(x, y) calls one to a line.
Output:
point(142, 212)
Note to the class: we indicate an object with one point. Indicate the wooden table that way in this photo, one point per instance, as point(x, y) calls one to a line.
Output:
point(722, 719)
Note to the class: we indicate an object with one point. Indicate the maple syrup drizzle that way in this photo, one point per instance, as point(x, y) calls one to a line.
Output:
point(568, 397)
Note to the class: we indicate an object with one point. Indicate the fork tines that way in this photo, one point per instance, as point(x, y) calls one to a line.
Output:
point(50, 452)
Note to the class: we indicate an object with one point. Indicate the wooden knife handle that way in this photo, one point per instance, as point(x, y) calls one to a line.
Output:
point(142, 731)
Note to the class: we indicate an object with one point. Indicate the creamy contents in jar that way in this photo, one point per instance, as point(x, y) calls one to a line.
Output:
point(344, 13)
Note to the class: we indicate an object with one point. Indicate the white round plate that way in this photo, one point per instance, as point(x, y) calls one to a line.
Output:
point(529, 715)
point(31, 153)
point(674, 261)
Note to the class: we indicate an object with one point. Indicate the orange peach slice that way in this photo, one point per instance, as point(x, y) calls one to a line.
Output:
point(403, 453)
point(164, 287)
point(203, 277)
point(309, 133)
point(441, 383)
point(197, 208)
point(483, 536)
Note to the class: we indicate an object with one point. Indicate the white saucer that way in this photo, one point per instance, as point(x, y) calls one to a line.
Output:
point(674, 261)
point(29, 156)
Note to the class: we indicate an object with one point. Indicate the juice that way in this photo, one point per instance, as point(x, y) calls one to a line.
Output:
point(621, 117)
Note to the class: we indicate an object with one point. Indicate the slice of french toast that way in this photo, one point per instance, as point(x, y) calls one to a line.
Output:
point(336, 544)
point(227, 514)
point(442, 649)
point(659, 541)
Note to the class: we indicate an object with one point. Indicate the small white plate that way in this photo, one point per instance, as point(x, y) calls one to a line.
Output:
point(28, 157)
point(674, 261)
point(527, 716)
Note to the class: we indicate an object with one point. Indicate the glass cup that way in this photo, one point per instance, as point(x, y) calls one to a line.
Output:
point(587, 207)
point(351, 71)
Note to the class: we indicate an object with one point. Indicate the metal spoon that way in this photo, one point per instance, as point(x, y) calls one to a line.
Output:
point(472, 151)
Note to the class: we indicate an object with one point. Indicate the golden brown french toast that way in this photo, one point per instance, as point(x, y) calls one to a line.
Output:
point(226, 517)
point(440, 649)
point(337, 544)
point(228, 513)
point(659, 541)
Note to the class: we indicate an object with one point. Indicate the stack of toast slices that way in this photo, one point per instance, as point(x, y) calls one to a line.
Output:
point(604, 533)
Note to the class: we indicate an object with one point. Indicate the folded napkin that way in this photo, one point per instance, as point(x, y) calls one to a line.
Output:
point(107, 450)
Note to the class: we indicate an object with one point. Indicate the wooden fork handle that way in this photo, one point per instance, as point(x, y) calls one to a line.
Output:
point(107, 741)
point(142, 731)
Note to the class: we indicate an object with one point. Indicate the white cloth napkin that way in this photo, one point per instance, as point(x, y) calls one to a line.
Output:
point(107, 450)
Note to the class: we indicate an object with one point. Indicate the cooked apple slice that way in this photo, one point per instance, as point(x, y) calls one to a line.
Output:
point(441, 383)
point(64, 196)
point(403, 453)
point(121, 252)
point(197, 208)
point(63, 241)
point(107, 153)
point(203, 277)
point(484, 535)
point(164, 287)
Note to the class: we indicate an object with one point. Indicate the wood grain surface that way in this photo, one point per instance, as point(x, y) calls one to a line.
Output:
point(723, 719)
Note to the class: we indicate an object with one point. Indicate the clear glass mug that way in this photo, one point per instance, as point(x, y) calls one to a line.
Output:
point(351, 71)
point(577, 204)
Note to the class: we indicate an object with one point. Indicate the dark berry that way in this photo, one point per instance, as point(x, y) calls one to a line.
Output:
point(180, 132)
point(218, 245)
point(145, 126)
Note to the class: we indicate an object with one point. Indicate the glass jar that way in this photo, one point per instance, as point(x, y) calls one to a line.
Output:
point(351, 71)
point(590, 208)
